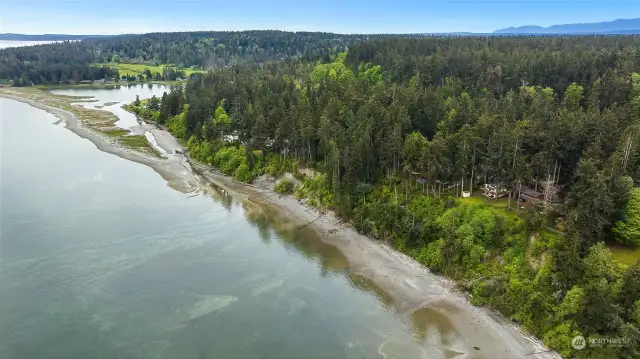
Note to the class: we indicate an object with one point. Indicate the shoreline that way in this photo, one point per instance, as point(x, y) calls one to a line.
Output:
point(410, 284)
point(107, 85)
point(170, 169)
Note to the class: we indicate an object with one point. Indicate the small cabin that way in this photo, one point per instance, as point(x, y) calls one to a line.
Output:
point(493, 191)
point(530, 195)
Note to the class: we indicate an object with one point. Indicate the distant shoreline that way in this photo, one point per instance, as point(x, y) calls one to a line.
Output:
point(46, 37)
point(107, 85)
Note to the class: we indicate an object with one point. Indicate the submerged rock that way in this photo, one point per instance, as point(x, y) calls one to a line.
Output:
point(267, 287)
point(210, 304)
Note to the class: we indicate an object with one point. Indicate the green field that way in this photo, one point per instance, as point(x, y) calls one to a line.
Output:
point(135, 69)
point(498, 206)
point(477, 197)
point(625, 254)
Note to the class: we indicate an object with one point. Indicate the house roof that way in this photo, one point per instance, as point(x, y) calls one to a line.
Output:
point(530, 192)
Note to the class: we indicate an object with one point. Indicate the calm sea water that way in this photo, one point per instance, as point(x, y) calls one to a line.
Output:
point(100, 259)
point(5, 43)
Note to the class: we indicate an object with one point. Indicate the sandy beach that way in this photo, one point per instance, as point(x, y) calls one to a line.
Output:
point(410, 285)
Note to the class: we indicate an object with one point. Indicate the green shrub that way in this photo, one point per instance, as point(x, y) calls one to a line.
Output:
point(318, 190)
point(228, 159)
point(543, 242)
point(242, 173)
point(628, 230)
point(273, 170)
point(178, 126)
point(285, 187)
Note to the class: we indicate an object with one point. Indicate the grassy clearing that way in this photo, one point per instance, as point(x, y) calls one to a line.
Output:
point(135, 69)
point(477, 197)
point(625, 254)
point(498, 206)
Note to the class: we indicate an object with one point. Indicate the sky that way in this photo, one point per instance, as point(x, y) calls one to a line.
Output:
point(348, 16)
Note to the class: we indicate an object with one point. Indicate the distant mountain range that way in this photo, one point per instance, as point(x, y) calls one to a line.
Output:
point(46, 37)
point(615, 27)
point(620, 26)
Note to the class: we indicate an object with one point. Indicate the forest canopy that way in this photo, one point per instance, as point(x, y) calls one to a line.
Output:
point(74, 61)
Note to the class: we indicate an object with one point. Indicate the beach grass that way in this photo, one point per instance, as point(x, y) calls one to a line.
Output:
point(140, 143)
point(137, 141)
point(116, 132)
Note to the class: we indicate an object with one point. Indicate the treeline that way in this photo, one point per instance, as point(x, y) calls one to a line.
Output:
point(74, 61)
point(362, 128)
point(51, 63)
point(167, 74)
point(397, 141)
point(64, 75)
point(500, 64)
point(215, 49)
